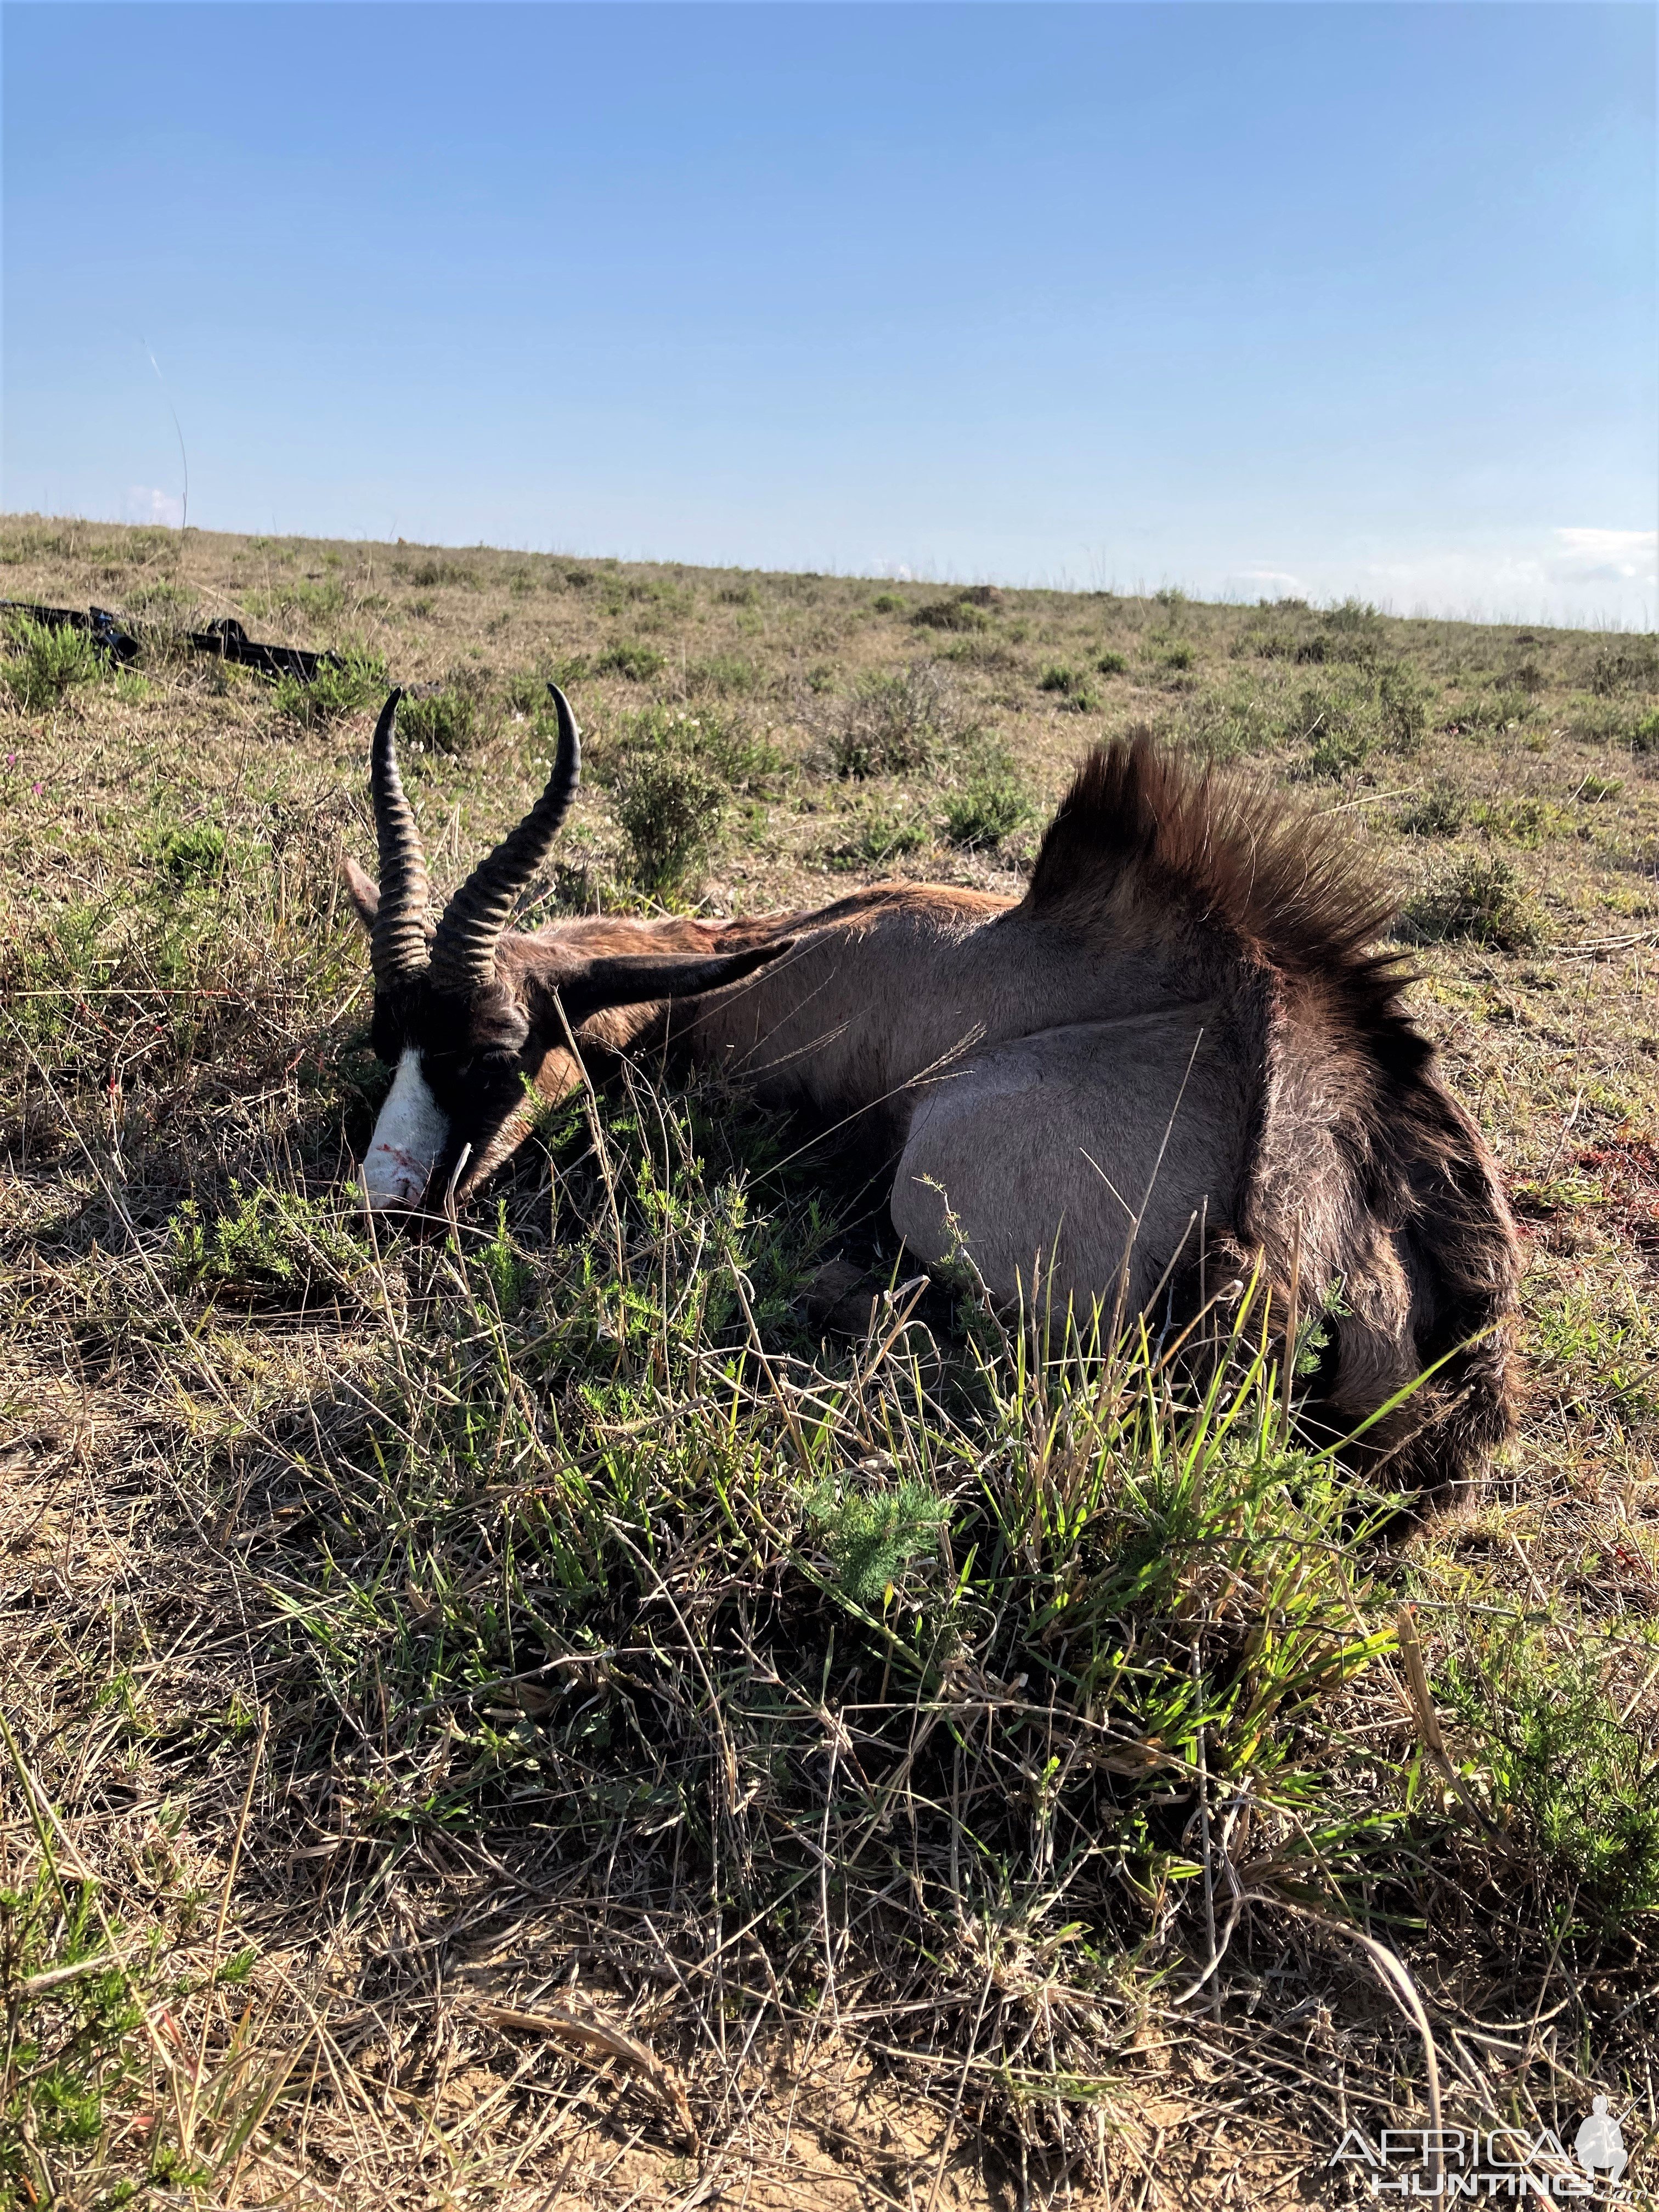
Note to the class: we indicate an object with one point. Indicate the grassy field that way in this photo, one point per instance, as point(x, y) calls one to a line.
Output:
point(532, 1716)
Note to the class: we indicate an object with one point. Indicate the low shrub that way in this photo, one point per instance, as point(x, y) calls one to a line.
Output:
point(669, 808)
point(1481, 900)
point(1403, 709)
point(880, 837)
point(191, 857)
point(640, 664)
point(1625, 665)
point(262, 1247)
point(42, 664)
point(1070, 685)
point(724, 745)
point(1577, 1779)
point(1225, 726)
point(722, 674)
point(454, 717)
point(430, 572)
point(951, 614)
point(1438, 811)
point(989, 807)
point(894, 725)
point(335, 691)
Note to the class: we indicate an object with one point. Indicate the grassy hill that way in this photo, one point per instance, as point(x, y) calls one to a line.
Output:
point(531, 1709)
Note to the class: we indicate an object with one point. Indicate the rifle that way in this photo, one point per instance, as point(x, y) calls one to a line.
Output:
point(115, 643)
point(226, 640)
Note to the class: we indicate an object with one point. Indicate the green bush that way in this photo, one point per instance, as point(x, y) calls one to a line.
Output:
point(430, 572)
point(1439, 811)
point(333, 693)
point(894, 725)
point(951, 614)
point(1482, 900)
point(1401, 708)
point(880, 837)
point(1342, 718)
point(453, 718)
point(724, 745)
point(1339, 741)
point(192, 857)
point(874, 1536)
point(723, 674)
point(987, 808)
point(638, 663)
point(1071, 685)
point(1112, 664)
point(42, 664)
point(1223, 727)
point(1560, 1759)
point(1644, 737)
point(1624, 664)
point(264, 1245)
point(669, 808)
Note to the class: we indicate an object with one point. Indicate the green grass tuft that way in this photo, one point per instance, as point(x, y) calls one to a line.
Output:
point(261, 1245)
point(640, 664)
point(1558, 1761)
point(952, 614)
point(333, 693)
point(669, 808)
point(1481, 899)
point(894, 725)
point(989, 807)
point(43, 664)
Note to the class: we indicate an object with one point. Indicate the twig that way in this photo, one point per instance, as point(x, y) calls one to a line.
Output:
point(599, 2035)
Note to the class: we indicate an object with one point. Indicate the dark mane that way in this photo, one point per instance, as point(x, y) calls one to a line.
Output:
point(1143, 823)
point(1351, 1092)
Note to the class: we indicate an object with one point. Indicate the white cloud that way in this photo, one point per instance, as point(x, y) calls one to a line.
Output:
point(145, 503)
point(1568, 575)
point(1609, 556)
point(1264, 584)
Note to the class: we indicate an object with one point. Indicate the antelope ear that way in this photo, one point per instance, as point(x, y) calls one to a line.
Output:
point(365, 892)
point(633, 982)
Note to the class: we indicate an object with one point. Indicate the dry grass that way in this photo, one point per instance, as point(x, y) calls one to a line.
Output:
point(520, 1715)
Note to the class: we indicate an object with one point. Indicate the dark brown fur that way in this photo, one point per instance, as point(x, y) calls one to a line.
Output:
point(1353, 1099)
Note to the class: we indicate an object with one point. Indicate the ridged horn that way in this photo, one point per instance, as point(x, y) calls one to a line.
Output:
point(463, 950)
point(397, 944)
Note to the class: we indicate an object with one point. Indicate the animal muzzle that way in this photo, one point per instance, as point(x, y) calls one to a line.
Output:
point(409, 1140)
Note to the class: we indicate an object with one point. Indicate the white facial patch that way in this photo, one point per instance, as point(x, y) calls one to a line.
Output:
point(409, 1136)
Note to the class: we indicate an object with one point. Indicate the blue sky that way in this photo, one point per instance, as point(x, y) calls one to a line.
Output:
point(1320, 298)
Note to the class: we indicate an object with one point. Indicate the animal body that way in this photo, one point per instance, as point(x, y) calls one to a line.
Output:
point(1177, 1059)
